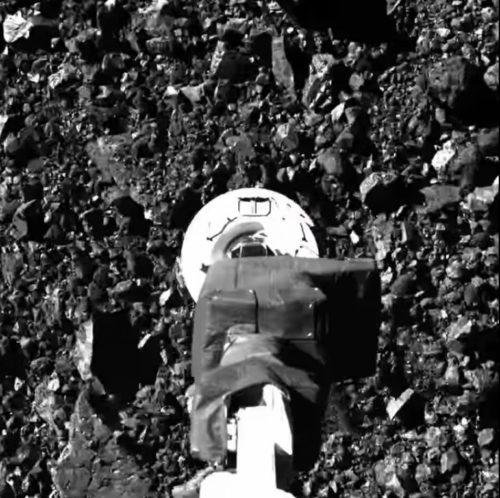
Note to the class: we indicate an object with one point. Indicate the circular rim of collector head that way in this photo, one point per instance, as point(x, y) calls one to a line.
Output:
point(286, 225)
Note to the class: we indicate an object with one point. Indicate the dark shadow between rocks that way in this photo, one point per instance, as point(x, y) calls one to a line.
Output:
point(357, 20)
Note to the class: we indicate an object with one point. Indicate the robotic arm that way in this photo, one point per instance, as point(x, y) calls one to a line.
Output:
point(275, 325)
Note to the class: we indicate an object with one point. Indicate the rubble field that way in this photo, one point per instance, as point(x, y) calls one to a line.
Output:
point(119, 120)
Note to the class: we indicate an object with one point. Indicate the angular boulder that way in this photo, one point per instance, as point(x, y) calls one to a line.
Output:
point(107, 348)
point(93, 464)
point(459, 87)
point(382, 192)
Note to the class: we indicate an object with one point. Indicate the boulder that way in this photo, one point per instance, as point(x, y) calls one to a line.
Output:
point(12, 360)
point(28, 221)
point(106, 347)
point(185, 207)
point(93, 464)
point(487, 141)
point(404, 286)
point(491, 77)
point(486, 437)
point(473, 168)
point(139, 265)
point(46, 403)
point(439, 196)
point(129, 290)
point(134, 221)
point(458, 86)
point(126, 206)
point(382, 192)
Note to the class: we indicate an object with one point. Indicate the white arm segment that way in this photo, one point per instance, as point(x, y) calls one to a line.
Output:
point(261, 430)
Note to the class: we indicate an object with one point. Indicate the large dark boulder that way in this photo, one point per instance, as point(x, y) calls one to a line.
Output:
point(28, 221)
point(383, 192)
point(133, 221)
point(185, 207)
point(12, 361)
point(107, 348)
point(457, 86)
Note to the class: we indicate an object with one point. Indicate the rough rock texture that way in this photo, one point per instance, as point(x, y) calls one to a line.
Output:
point(93, 464)
point(457, 85)
point(114, 134)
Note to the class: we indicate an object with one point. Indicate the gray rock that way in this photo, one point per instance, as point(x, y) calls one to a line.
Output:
point(404, 285)
point(459, 329)
point(450, 460)
point(458, 85)
point(439, 196)
point(93, 465)
point(28, 222)
point(422, 473)
point(491, 77)
point(456, 270)
point(486, 437)
point(487, 141)
point(45, 402)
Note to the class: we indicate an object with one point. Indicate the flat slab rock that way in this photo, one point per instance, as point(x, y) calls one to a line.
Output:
point(93, 465)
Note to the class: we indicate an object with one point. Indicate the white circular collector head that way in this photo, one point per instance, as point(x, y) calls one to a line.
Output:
point(247, 217)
